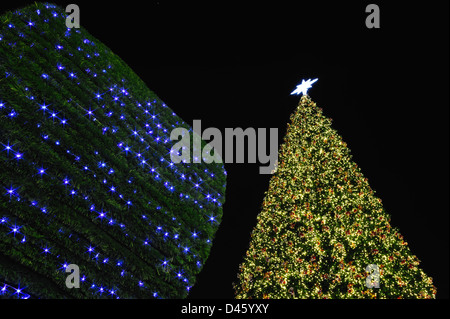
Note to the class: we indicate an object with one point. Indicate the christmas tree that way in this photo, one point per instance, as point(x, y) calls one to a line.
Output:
point(322, 232)
point(86, 175)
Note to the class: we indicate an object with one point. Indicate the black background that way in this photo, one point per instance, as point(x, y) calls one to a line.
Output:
point(232, 65)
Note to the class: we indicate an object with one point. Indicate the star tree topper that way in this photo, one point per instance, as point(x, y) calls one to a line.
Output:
point(304, 86)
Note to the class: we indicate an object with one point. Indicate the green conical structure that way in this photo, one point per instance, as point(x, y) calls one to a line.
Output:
point(322, 232)
point(86, 175)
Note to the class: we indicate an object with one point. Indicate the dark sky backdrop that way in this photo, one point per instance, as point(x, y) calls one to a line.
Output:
point(234, 66)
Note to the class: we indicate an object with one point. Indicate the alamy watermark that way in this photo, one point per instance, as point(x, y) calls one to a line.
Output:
point(73, 280)
point(257, 148)
point(373, 279)
point(373, 19)
point(73, 19)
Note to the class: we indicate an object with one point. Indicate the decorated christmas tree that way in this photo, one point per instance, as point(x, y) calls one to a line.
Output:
point(322, 232)
point(86, 175)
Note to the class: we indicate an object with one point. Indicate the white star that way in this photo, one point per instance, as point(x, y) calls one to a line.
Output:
point(303, 87)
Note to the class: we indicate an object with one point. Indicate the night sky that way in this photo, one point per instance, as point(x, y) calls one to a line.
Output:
point(234, 66)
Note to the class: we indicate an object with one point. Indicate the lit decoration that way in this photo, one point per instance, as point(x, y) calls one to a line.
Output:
point(86, 172)
point(321, 225)
point(304, 86)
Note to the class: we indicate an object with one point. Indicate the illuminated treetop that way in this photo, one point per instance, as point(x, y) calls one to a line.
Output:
point(304, 86)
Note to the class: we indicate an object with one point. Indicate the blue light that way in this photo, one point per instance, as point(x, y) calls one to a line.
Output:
point(44, 107)
point(90, 249)
point(98, 96)
point(53, 114)
point(90, 112)
point(12, 114)
point(15, 229)
point(41, 171)
point(212, 219)
point(11, 192)
point(123, 91)
point(18, 291)
point(101, 214)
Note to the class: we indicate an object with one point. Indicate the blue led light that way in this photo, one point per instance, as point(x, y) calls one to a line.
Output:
point(15, 229)
point(11, 191)
point(41, 171)
point(90, 113)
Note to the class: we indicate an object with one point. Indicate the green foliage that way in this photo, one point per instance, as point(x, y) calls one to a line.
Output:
point(35, 66)
point(321, 225)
